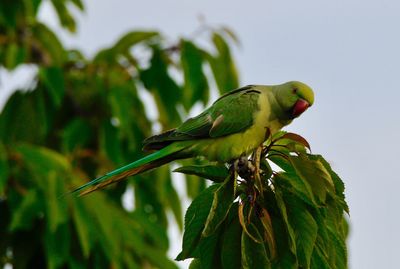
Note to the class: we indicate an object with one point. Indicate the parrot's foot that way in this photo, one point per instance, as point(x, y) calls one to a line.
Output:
point(245, 168)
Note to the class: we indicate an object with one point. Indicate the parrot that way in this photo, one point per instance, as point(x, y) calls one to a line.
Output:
point(236, 124)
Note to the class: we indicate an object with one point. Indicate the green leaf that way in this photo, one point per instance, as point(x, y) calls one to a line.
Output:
point(209, 251)
point(26, 212)
point(216, 173)
point(77, 133)
point(231, 241)
point(195, 219)
point(297, 186)
point(78, 4)
point(25, 118)
point(9, 10)
point(56, 208)
point(155, 232)
point(318, 260)
point(291, 237)
point(64, 15)
point(195, 264)
point(43, 161)
point(196, 85)
point(14, 55)
point(305, 228)
point(53, 79)
point(339, 245)
point(168, 194)
point(130, 39)
point(222, 202)
point(254, 254)
point(297, 138)
point(57, 246)
point(338, 183)
point(229, 32)
point(83, 223)
point(110, 143)
point(315, 174)
point(268, 232)
point(123, 46)
point(222, 65)
point(4, 169)
point(194, 185)
point(165, 90)
point(52, 51)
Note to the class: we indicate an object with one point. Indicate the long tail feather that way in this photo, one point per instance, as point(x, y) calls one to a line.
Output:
point(151, 161)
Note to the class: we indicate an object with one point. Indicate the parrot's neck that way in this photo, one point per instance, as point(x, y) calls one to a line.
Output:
point(276, 115)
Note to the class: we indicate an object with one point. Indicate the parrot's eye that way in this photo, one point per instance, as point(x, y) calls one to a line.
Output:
point(294, 90)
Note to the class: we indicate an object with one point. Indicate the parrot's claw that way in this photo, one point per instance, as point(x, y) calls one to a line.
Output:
point(245, 168)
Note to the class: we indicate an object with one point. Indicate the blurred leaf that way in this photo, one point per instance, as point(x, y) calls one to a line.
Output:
point(27, 211)
point(56, 207)
point(195, 219)
point(128, 40)
point(78, 4)
point(155, 232)
point(76, 134)
point(123, 46)
point(52, 52)
point(53, 78)
point(64, 15)
point(83, 224)
point(165, 90)
point(228, 31)
point(24, 118)
point(9, 12)
point(4, 169)
point(14, 55)
point(43, 161)
point(222, 65)
point(194, 185)
point(168, 194)
point(196, 85)
point(216, 173)
point(195, 264)
point(57, 246)
point(110, 144)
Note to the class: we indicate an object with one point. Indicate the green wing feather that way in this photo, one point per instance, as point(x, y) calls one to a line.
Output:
point(231, 113)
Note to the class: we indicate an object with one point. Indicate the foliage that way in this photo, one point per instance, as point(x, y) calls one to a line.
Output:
point(86, 116)
point(83, 118)
point(264, 219)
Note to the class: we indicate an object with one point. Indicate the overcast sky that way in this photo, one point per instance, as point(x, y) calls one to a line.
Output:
point(348, 51)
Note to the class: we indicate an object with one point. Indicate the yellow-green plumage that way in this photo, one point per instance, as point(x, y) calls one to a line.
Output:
point(230, 147)
point(235, 125)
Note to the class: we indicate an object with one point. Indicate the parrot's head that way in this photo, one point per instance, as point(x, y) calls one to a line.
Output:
point(294, 98)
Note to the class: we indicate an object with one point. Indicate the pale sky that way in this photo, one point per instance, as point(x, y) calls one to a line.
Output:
point(348, 51)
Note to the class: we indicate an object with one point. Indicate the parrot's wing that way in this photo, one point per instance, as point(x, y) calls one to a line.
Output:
point(232, 113)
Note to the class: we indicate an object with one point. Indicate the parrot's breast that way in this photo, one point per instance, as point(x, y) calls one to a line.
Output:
point(231, 147)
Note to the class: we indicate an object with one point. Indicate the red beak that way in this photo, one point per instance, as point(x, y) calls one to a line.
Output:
point(300, 106)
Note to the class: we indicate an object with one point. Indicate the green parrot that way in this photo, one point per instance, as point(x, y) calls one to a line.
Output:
point(234, 126)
